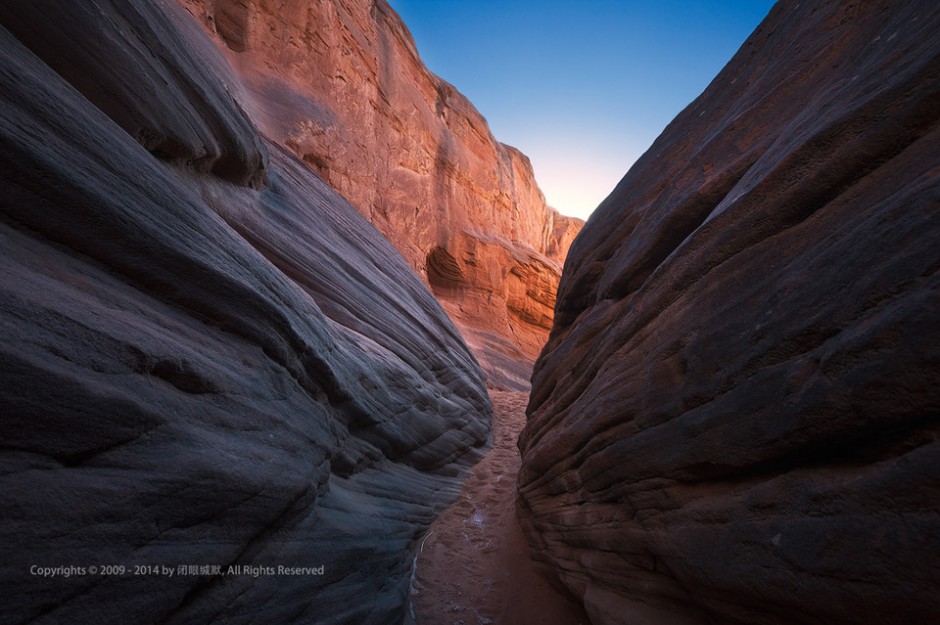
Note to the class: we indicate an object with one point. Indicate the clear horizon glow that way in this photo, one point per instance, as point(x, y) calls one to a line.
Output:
point(583, 89)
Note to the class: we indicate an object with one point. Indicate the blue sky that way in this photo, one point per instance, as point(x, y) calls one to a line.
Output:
point(582, 88)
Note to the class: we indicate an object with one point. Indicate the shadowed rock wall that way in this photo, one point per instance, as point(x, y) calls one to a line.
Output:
point(341, 85)
point(208, 357)
point(736, 417)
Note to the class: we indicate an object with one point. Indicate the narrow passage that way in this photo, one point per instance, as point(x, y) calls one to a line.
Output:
point(473, 567)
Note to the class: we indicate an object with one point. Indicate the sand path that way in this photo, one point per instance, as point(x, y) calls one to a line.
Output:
point(473, 567)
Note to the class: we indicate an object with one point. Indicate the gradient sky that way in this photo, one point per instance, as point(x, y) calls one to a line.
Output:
point(583, 88)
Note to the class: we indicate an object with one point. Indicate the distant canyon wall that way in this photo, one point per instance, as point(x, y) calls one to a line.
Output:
point(209, 359)
point(737, 417)
point(340, 83)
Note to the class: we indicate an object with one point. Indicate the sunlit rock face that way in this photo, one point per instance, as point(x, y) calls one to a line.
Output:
point(736, 417)
point(340, 84)
point(208, 357)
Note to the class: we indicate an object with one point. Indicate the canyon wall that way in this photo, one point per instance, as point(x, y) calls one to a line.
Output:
point(340, 84)
point(209, 359)
point(736, 417)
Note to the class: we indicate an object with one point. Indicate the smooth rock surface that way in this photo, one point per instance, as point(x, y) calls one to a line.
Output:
point(736, 417)
point(341, 84)
point(199, 364)
point(159, 84)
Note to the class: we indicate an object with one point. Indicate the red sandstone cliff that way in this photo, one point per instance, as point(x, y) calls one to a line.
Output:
point(340, 83)
point(736, 417)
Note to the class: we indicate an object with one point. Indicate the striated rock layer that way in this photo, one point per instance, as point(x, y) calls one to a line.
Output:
point(340, 83)
point(208, 357)
point(735, 419)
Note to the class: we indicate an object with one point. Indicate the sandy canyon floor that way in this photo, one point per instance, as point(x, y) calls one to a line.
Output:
point(473, 565)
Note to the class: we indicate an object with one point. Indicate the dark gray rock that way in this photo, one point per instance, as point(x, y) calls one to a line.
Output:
point(148, 67)
point(197, 372)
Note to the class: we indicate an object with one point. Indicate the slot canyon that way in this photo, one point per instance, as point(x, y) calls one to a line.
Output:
point(288, 337)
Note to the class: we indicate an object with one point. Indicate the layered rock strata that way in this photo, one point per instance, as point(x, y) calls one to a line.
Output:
point(735, 419)
point(341, 84)
point(208, 357)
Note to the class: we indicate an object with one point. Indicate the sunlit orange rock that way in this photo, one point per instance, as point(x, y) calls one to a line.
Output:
point(735, 420)
point(342, 86)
